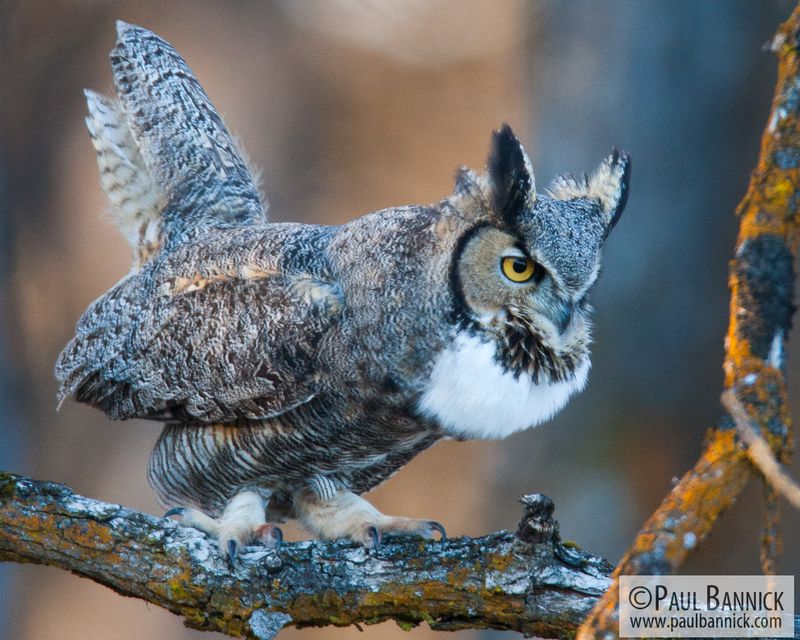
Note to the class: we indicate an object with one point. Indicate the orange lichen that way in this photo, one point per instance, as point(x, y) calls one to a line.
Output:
point(499, 562)
point(180, 588)
point(427, 601)
point(89, 534)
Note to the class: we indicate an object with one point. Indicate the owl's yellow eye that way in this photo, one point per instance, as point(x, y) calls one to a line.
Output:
point(518, 268)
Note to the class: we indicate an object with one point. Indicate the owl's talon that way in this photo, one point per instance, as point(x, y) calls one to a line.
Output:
point(438, 526)
point(232, 554)
point(347, 515)
point(240, 524)
point(270, 536)
point(375, 534)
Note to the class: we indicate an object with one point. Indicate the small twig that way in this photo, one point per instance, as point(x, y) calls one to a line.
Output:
point(771, 541)
point(759, 451)
point(760, 454)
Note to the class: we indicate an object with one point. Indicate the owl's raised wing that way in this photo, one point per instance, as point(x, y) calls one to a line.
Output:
point(202, 349)
point(165, 140)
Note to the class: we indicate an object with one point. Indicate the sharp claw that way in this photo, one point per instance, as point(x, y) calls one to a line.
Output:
point(278, 535)
point(231, 554)
point(375, 533)
point(437, 526)
point(177, 511)
point(270, 536)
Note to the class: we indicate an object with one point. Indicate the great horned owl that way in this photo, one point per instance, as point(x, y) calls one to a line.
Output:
point(297, 366)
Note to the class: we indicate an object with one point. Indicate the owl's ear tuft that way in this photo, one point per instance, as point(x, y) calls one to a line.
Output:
point(467, 183)
point(608, 186)
point(510, 176)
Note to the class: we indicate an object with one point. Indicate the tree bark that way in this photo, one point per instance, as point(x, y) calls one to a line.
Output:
point(527, 581)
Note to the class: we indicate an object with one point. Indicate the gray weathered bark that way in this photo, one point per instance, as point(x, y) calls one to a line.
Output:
point(526, 581)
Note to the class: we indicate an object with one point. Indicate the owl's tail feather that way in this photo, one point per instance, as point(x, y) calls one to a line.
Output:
point(168, 164)
point(135, 197)
point(182, 140)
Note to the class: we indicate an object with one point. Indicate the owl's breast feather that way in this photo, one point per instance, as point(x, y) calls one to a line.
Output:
point(471, 395)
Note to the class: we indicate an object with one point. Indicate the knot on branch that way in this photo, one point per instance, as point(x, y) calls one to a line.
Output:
point(537, 525)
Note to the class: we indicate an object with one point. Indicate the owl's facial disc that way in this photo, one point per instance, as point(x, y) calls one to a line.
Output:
point(515, 302)
point(495, 274)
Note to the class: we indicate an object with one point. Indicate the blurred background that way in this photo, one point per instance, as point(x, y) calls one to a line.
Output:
point(349, 106)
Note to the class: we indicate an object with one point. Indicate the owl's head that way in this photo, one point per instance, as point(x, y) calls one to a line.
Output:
point(523, 269)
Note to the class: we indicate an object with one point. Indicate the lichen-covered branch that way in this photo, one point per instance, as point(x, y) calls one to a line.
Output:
point(525, 581)
point(761, 282)
point(760, 453)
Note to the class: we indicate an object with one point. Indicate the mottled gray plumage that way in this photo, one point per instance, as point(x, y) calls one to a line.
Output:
point(182, 139)
point(302, 364)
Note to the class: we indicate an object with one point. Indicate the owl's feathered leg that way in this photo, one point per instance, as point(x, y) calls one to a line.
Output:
point(346, 515)
point(242, 522)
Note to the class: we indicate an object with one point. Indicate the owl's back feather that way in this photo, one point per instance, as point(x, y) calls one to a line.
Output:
point(222, 329)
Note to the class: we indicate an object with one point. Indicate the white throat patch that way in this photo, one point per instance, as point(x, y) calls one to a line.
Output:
point(471, 395)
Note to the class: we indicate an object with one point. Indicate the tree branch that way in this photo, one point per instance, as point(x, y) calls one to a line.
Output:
point(760, 453)
point(526, 581)
point(761, 282)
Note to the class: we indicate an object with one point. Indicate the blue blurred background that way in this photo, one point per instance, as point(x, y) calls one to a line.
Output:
point(349, 106)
